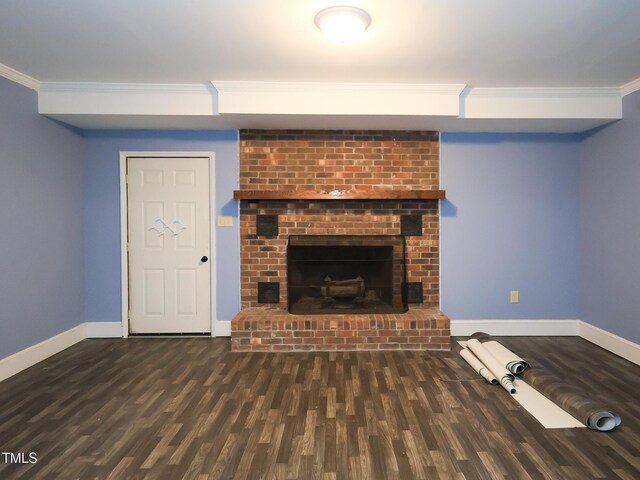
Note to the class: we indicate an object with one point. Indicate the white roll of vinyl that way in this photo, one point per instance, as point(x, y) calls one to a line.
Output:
point(478, 366)
point(506, 357)
point(497, 368)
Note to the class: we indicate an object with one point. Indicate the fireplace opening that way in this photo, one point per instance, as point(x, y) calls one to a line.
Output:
point(345, 274)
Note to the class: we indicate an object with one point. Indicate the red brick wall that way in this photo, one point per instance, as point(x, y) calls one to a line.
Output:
point(275, 330)
point(264, 259)
point(326, 161)
point(336, 160)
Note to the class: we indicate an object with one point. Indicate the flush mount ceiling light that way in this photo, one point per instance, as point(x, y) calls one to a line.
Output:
point(343, 24)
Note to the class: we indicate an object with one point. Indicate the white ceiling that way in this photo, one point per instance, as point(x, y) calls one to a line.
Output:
point(490, 43)
point(547, 65)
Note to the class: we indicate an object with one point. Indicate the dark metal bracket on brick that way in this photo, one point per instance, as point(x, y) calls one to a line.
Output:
point(267, 225)
point(412, 292)
point(411, 225)
point(268, 292)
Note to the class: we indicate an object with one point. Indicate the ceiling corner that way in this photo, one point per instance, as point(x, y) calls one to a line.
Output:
point(19, 77)
point(630, 87)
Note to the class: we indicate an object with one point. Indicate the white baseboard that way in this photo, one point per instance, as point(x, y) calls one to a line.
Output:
point(104, 329)
point(222, 328)
point(609, 341)
point(524, 328)
point(114, 329)
point(551, 328)
point(28, 357)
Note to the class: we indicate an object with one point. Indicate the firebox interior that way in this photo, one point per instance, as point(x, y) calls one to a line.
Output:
point(342, 274)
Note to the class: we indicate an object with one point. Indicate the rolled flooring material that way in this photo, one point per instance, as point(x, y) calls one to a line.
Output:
point(500, 371)
point(478, 366)
point(510, 360)
point(571, 399)
point(542, 409)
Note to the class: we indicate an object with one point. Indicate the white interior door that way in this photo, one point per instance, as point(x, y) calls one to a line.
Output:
point(169, 245)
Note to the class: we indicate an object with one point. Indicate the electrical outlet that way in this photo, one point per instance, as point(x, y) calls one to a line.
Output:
point(514, 296)
point(225, 221)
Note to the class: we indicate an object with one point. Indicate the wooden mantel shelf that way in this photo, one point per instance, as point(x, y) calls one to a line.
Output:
point(339, 195)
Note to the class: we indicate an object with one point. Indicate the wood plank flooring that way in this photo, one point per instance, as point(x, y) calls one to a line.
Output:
point(189, 408)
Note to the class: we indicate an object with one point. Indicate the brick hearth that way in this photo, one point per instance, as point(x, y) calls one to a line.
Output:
point(277, 330)
point(327, 161)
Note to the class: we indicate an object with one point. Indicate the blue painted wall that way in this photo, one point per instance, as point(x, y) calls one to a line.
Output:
point(102, 213)
point(554, 216)
point(41, 231)
point(510, 222)
point(610, 224)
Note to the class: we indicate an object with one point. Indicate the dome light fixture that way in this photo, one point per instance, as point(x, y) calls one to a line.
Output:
point(342, 24)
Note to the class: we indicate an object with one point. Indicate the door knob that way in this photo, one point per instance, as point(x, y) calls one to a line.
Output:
point(204, 259)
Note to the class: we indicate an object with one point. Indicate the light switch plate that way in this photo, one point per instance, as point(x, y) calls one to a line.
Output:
point(225, 221)
point(514, 296)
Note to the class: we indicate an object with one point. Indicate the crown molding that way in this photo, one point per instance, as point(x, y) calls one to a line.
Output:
point(545, 92)
point(125, 88)
point(242, 86)
point(88, 98)
point(632, 86)
point(313, 98)
point(542, 103)
point(19, 77)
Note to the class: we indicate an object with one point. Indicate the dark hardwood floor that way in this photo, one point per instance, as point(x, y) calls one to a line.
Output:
point(189, 408)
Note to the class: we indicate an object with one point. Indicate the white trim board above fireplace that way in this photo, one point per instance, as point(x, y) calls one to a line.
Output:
point(233, 105)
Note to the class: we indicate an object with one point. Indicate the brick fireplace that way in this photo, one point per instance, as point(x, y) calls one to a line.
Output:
point(349, 191)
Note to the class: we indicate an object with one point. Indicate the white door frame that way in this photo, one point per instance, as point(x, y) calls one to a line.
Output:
point(124, 257)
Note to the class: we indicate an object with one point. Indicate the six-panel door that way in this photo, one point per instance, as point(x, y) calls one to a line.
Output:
point(169, 245)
